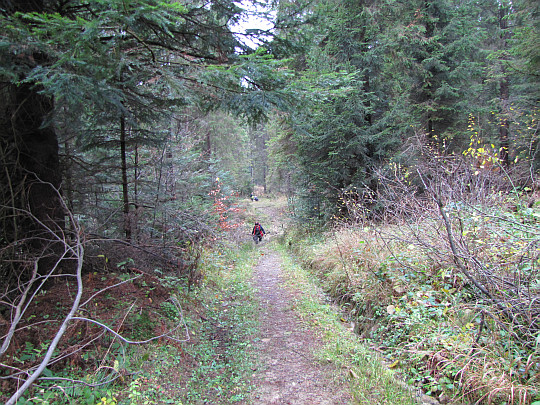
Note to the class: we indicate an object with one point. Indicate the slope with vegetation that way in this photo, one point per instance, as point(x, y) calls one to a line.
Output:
point(445, 284)
point(143, 333)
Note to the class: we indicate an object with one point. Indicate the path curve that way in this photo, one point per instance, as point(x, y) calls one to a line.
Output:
point(288, 373)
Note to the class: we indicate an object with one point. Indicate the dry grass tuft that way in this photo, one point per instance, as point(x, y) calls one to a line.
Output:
point(349, 262)
point(486, 379)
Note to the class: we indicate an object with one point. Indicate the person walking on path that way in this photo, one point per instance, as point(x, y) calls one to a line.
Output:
point(258, 232)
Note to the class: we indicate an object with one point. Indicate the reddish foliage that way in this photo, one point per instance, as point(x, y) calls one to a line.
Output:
point(223, 208)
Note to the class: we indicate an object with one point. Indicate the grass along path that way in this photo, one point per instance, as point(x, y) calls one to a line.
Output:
point(288, 371)
point(370, 379)
point(263, 333)
point(306, 355)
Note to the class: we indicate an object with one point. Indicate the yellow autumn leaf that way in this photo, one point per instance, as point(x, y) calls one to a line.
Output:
point(394, 364)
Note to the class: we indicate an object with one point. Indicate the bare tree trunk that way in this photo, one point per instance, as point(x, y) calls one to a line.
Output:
point(125, 195)
point(135, 220)
point(504, 92)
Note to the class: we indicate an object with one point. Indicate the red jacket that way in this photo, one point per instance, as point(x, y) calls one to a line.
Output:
point(258, 229)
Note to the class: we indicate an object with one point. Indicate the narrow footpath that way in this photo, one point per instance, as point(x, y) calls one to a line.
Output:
point(288, 372)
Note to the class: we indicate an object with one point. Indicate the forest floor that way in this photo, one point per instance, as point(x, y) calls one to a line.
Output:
point(288, 371)
point(224, 353)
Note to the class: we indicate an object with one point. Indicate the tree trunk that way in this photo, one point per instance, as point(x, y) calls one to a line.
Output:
point(504, 90)
point(504, 124)
point(208, 144)
point(135, 221)
point(31, 209)
point(68, 182)
point(125, 195)
point(264, 177)
point(31, 174)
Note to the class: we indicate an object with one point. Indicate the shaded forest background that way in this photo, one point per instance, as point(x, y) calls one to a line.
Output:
point(136, 126)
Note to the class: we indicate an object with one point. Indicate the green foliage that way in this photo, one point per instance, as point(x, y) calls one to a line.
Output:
point(47, 394)
point(253, 87)
point(108, 400)
point(379, 78)
point(139, 394)
point(170, 310)
point(216, 363)
point(31, 353)
point(149, 65)
point(229, 330)
point(143, 326)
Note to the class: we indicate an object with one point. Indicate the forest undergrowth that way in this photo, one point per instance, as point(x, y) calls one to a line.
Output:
point(147, 329)
point(168, 341)
point(448, 295)
point(462, 335)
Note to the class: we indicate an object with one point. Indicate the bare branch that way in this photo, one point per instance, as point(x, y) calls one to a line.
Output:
point(34, 376)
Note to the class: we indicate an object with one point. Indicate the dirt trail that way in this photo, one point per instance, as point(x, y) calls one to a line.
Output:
point(289, 373)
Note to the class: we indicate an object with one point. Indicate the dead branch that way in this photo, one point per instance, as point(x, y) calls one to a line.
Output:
point(78, 251)
point(73, 248)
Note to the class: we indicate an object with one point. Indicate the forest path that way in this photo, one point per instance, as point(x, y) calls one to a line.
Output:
point(288, 372)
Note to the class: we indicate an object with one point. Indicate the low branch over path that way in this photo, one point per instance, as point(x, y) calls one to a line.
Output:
point(289, 372)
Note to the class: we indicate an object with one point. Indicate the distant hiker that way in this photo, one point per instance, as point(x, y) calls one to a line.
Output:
point(258, 232)
point(253, 197)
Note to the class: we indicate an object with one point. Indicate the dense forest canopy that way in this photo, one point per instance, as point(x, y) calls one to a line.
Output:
point(142, 120)
point(349, 87)
point(94, 90)
point(378, 77)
